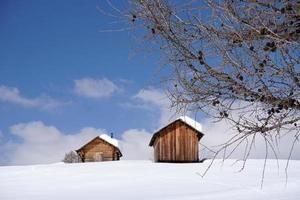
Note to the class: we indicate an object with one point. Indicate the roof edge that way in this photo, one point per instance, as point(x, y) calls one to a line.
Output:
point(102, 140)
point(156, 134)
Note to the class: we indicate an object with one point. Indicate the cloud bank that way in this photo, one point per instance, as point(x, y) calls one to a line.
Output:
point(135, 145)
point(217, 134)
point(40, 143)
point(95, 88)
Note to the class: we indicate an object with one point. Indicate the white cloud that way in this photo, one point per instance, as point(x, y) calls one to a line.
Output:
point(95, 88)
point(154, 97)
point(40, 143)
point(12, 95)
point(45, 144)
point(217, 134)
point(135, 145)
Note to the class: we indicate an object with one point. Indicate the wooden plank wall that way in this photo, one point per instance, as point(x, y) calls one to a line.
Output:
point(176, 143)
point(108, 151)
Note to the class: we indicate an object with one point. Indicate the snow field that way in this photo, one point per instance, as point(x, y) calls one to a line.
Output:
point(147, 180)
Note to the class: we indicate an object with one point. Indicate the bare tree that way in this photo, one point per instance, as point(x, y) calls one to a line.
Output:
point(234, 60)
point(72, 157)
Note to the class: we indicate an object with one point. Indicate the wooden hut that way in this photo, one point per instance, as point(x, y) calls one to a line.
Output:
point(178, 141)
point(101, 148)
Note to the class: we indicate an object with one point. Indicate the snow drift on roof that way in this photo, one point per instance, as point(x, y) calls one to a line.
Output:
point(110, 140)
point(196, 125)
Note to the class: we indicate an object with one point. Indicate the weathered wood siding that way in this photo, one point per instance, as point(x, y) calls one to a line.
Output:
point(176, 143)
point(99, 150)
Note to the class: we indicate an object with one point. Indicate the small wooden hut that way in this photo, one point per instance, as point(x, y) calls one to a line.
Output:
point(178, 141)
point(101, 148)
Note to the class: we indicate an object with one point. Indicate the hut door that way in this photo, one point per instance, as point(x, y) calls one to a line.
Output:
point(98, 156)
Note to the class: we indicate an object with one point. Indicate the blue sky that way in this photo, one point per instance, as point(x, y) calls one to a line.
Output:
point(46, 45)
point(49, 46)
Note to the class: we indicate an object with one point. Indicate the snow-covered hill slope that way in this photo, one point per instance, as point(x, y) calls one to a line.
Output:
point(146, 180)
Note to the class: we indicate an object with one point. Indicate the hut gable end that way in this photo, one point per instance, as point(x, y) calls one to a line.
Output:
point(177, 142)
point(172, 125)
point(99, 149)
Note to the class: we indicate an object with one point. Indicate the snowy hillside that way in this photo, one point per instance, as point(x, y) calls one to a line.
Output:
point(146, 180)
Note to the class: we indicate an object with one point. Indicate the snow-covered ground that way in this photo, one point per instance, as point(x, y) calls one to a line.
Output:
point(147, 180)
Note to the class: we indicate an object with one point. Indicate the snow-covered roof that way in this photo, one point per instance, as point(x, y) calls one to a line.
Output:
point(106, 138)
point(110, 140)
point(196, 125)
point(185, 119)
